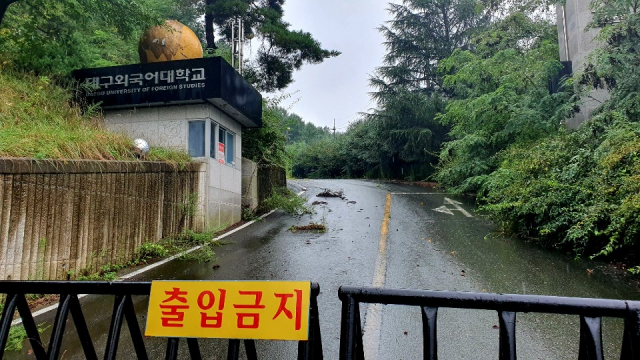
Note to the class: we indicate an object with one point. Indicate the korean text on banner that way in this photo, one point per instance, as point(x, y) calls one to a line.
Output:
point(221, 153)
point(271, 310)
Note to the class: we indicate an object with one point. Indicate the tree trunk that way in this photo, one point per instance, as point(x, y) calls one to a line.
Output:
point(4, 4)
point(208, 25)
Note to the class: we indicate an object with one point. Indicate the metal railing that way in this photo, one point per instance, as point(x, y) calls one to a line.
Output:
point(122, 310)
point(590, 311)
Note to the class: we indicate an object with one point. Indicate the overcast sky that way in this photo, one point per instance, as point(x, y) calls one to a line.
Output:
point(338, 87)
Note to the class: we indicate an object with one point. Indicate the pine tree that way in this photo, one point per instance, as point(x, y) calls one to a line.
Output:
point(420, 34)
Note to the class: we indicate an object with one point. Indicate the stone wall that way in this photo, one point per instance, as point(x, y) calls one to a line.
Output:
point(58, 219)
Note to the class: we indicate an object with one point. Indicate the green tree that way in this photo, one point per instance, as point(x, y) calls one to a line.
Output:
point(281, 51)
point(500, 97)
point(420, 34)
point(408, 135)
point(321, 159)
point(266, 145)
point(616, 65)
point(407, 85)
point(55, 37)
point(305, 132)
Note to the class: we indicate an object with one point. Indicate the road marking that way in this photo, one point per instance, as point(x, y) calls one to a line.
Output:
point(444, 209)
point(458, 207)
point(422, 193)
point(373, 319)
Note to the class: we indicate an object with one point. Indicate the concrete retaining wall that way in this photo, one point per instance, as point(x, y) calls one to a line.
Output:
point(575, 44)
point(270, 177)
point(60, 218)
point(249, 184)
point(259, 181)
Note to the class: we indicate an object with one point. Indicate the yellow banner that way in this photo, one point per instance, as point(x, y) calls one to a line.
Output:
point(272, 310)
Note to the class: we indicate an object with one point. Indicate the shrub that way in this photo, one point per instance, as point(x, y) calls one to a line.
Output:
point(577, 191)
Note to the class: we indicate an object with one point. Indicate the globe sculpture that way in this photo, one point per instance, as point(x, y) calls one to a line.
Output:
point(170, 41)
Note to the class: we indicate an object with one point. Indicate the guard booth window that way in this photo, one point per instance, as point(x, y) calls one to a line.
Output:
point(228, 149)
point(214, 145)
point(227, 138)
point(196, 138)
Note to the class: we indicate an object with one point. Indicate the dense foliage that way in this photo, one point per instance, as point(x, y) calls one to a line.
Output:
point(499, 97)
point(419, 35)
point(56, 37)
point(266, 145)
point(579, 190)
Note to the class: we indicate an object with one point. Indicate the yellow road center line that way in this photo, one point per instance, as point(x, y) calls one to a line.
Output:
point(373, 319)
point(381, 261)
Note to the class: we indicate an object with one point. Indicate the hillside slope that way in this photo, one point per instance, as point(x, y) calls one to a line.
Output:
point(38, 119)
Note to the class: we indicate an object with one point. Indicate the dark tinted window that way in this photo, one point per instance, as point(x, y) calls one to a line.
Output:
point(196, 138)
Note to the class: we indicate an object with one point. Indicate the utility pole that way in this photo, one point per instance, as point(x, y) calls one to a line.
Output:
point(334, 129)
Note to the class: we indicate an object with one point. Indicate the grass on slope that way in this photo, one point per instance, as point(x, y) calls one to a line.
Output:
point(38, 120)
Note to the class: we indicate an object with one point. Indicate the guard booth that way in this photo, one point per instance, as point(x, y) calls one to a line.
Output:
point(195, 105)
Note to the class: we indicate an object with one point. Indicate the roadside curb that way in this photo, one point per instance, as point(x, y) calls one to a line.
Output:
point(154, 265)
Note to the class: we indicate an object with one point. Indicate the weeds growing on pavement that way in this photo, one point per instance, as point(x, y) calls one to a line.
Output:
point(150, 251)
point(286, 200)
point(17, 335)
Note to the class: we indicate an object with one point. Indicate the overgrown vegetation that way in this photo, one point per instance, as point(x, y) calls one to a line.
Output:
point(287, 200)
point(149, 251)
point(189, 239)
point(499, 97)
point(17, 336)
point(39, 120)
point(573, 190)
point(579, 190)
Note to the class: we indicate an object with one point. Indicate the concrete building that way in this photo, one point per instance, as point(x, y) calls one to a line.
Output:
point(575, 45)
point(199, 106)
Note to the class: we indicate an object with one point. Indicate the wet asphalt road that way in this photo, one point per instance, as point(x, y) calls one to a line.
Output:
point(434, 242)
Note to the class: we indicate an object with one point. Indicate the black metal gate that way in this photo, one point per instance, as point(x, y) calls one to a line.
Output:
point(122, 310)
point(590, 311)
